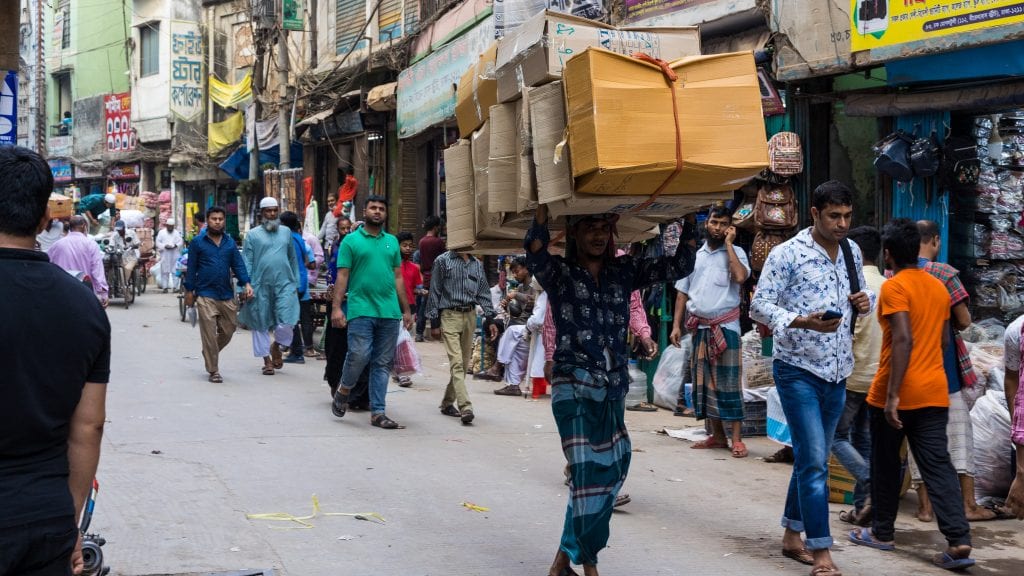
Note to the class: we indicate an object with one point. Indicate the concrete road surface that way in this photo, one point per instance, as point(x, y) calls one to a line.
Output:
point(184, 461)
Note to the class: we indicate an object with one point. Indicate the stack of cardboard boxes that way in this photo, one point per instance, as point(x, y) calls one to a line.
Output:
point(560, 83)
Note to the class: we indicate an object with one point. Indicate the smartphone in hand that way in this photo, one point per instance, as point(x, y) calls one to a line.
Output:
point(831, 315)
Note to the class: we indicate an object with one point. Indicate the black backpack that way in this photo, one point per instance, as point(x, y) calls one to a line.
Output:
point(961, 166)
point(925, 156)
point(894, 156)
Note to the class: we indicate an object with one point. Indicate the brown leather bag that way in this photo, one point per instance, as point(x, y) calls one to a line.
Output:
point(776, 208)
point(764, 241)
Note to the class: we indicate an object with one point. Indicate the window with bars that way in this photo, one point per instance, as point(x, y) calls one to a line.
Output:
point(149, 54)
point(64, 7)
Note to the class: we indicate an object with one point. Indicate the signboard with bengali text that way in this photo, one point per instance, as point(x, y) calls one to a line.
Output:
point(893, 22)
point(187, 74)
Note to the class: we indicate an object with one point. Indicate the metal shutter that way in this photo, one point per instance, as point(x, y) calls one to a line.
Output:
point(351, 17)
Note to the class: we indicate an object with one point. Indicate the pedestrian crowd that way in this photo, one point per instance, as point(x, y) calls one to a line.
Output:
point(863, 361)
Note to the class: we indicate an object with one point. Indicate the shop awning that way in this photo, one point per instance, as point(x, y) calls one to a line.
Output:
point(315, 118)
point(383, 98)
point(1009, 95)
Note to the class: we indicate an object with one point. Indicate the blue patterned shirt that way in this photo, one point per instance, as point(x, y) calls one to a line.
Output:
point(799, 279)
point(591, 318)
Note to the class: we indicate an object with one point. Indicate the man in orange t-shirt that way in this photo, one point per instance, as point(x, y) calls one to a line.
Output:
point(908, 398)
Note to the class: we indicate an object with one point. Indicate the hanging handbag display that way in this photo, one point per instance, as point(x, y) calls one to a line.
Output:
point(764, 241)
point(893, 156)
point(775, 208)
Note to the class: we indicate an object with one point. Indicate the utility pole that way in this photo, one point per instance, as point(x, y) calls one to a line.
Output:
point(283, 127)
point(40, 81)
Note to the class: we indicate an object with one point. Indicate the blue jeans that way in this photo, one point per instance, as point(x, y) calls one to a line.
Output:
point(812, 406)
point(852, 444)
point(371, 341)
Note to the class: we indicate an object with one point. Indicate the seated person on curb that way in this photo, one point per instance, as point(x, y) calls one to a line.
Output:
point(514, 346)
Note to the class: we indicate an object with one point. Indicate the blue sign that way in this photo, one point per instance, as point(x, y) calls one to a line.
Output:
point(9, 110)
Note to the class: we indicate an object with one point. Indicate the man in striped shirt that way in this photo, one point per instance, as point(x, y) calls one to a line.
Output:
point(457, 285)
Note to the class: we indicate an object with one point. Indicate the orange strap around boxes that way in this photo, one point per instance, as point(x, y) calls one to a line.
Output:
point(671, 77)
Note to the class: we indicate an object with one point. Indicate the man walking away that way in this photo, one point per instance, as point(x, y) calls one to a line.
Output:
point(457, 286)
point(711, 298)
point(78, 252)
point(959, 375)
point(52, 405)
point(305, 262)
point(269, 256)
point(168, 243)
point(370, 276)
point(909, 399)
point(589, 289)
point(804, 278)
point(431, 246)
point(852, 442)
point(212, 258)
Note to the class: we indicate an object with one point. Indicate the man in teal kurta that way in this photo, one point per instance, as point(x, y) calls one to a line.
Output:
point(272, 265)
point(370, 275)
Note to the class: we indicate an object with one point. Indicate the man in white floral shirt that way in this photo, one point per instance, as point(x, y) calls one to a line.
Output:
point(803, 278)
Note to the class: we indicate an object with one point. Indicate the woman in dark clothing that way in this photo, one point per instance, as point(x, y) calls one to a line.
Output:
point(336, 344)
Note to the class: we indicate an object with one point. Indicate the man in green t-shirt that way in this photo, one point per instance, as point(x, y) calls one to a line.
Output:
point(370, 279)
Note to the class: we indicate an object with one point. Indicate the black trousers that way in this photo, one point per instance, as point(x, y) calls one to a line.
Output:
point(336, 348)
point(925, 431)
point(40, 548)
point(421, 318)
point(302, 334)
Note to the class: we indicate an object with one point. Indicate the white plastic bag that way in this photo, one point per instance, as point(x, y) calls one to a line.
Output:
point(671, 372)
point(991, 420)
point(407, 359)
point(778, 426)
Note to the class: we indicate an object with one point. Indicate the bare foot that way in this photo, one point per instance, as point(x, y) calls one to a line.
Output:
point(560, 567)
point(979, 514)
point(590, 570)
point(925, 515)
point(791, 540)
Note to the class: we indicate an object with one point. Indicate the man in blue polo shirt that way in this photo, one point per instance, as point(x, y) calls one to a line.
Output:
point(212, 257)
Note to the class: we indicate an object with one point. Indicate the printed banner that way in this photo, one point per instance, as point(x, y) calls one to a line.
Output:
point(640, 10)
point(425, 94)
point(880, 23)
point(9, 109)
point(117, 113)
point(186, 70)
point(291, 15)
point(61, 170)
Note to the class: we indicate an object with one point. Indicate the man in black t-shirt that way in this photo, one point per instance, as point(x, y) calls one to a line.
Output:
point(52, 402)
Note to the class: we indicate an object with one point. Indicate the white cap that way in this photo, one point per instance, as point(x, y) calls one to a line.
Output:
point(268, 202)
point(110, 199)
point(171, 222)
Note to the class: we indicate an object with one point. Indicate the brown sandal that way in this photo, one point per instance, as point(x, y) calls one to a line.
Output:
point(802, 555)
point(215, 377)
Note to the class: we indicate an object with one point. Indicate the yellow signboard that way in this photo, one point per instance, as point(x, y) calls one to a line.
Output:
point(880, 23)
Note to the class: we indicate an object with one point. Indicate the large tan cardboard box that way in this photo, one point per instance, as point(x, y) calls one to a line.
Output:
point(503, 163)
point(61, 206)
point(488, 223)
point(550, 155)
point(459, 197)
point(662, 209)
point(477, 92)
point(535, 52)
point(527, 197)
point(622, 131)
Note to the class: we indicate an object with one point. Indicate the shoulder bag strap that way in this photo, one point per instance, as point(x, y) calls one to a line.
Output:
point(851, 274)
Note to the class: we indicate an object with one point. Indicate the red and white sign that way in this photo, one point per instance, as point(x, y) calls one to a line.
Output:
point(118, 114)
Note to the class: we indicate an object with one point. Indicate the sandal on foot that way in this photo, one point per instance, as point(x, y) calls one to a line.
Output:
point(622, 500)
point(382, 421)
point(340, 404)
point(802, 555)
point(849, 516)
point(708, 444)
point(451, 411)
point(739, 450)
point(826, 571)
point(268, 370)
point(215, 377)
point(948, 562)
point(864, 537)
point(783, 455)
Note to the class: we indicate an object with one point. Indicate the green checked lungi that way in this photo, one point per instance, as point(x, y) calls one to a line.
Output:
point(597, 447)
point(718, 386)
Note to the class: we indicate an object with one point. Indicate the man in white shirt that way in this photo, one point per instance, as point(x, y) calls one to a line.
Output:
point(711, 298)
point(169, 243)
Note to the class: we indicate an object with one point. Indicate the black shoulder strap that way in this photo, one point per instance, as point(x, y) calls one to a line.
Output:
point(851, 274)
